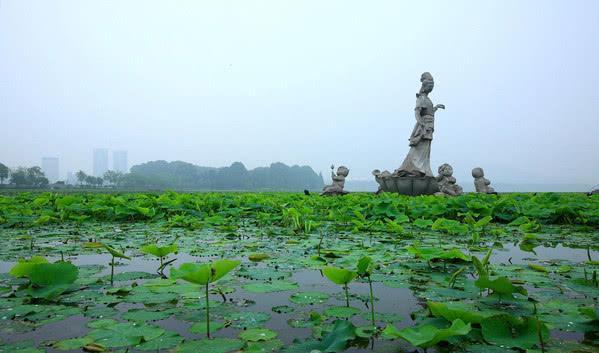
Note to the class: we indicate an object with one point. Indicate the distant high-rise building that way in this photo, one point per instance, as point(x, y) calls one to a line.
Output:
point(71, 178)
point(100, 161)
point(50, 168)
point(119, 161)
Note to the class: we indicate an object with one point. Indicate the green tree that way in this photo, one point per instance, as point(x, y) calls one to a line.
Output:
point(36, 177)
point(4, 172)
point(81, 177)
point(90, 180)
point(33, 176)
point(113, 177)
point(19, 176)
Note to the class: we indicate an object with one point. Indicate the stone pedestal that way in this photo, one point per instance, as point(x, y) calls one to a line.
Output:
point(408, 185)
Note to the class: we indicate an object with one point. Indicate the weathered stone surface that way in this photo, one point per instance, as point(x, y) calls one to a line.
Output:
point(481, 184)
point(414, 176)
point(446, 181)
point(336, 188)
point(405, 185)
point(417, 162)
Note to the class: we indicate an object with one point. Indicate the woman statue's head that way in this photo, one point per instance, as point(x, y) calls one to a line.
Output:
point(427, 83)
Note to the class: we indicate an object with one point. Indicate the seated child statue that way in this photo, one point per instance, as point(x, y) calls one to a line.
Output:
point(446, 181)
point(336, 188)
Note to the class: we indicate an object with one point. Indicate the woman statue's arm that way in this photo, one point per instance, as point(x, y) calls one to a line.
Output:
point(438, 106)
point(418, 110)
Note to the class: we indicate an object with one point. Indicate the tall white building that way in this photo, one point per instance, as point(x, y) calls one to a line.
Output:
point(72, 178)
point(119, 161)
point(50, 168)
point(100, 161)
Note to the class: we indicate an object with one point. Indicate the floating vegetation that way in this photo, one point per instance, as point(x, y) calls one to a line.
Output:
point(281, 272)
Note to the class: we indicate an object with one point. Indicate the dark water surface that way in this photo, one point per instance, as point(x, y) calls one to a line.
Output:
point(399, 301)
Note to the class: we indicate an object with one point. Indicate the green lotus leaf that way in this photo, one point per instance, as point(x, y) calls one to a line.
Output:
point(221, 267)
point(258, 257)
point(423, 223)
point(590, 312)
point(366, 331)
point(200, 327)
point(257, 334)
point(453, 311)
point(102, 323)
point(365, 265)
point(114, 252)
point(161, 343)
point(283, 309)
point(510, 331)
point(309, 297)
point(429, 254)
point(24, 266)
point(341, 312)
point(339, 276)
point(142, 315)
point(263, 346)
point(19, 347)
point(449, 226)
point(483, 221)
point(158, 251)
point(426, 336)
point(72, 343)
point(125, 334)
point(270, 287)
point(132, 275)
point(500, 285)
point(194, 273)
point(248, 319)
point(335, 341)
point(50, 280)
point(215, 345)
point(538, 268)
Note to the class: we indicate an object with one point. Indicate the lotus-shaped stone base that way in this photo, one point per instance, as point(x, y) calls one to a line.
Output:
point(406, 185)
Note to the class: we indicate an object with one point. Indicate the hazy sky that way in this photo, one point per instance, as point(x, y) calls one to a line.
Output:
point(304, 82)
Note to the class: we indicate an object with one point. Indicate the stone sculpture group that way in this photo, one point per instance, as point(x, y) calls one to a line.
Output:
point(414, 176)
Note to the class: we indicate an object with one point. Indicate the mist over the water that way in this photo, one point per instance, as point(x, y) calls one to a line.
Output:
point(309, 83)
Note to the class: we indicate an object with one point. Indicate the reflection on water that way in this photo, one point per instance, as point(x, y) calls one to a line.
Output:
point(515, 254)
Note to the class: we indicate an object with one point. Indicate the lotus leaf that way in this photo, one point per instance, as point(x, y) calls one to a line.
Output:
point(335, 341)
point(24, 266)
point(158, 251)
point(257, 334)
point(339, 276)
point(500, 286)
point(510, 331)
point(425, 336)
point(216, 345)
point(50, 280)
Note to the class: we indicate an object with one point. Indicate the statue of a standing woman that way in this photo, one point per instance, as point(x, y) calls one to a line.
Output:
point(417, 162)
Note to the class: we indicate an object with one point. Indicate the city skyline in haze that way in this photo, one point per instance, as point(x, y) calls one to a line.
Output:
point(307, 83)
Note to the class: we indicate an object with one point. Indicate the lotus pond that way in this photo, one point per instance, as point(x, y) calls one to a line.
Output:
point(282, 272)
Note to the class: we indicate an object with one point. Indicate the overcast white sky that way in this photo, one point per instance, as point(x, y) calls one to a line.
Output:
point(304, 82)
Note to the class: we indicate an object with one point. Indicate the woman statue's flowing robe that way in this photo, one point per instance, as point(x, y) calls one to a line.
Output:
point(417, 162)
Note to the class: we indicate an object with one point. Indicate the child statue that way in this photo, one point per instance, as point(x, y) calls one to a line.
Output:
point(446, 181)
point(336, 188)
point(481, 184)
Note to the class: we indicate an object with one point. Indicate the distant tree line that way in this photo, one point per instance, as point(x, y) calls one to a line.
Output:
point(182, 175)
point(22, 176)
